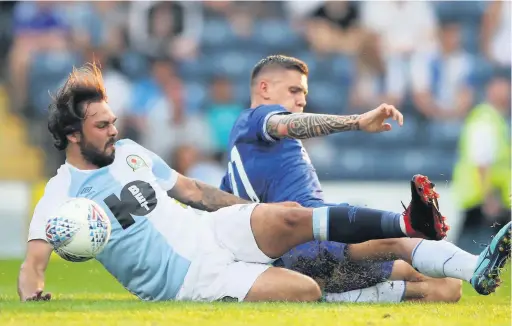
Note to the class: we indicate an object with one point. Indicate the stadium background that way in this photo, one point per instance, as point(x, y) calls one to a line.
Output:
point(177, 76)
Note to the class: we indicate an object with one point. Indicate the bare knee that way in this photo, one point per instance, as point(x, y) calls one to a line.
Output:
point(404, 271)
point(295, 217)
point(445, 290)
point(452, 290)
point(310, 291)
point(277, 284)
point(277, 229)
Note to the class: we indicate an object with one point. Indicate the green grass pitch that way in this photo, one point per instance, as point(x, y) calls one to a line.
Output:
point(84, 294)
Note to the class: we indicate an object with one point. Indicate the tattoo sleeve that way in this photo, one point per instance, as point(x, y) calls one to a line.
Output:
point(208, 198)
point(309, 125)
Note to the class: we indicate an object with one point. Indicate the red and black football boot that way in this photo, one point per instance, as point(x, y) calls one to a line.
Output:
point(422, 217)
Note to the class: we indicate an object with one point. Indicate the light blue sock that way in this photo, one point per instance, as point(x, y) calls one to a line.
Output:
point(321, 223)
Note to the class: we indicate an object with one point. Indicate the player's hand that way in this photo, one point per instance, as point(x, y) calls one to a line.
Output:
point(375, 120)
point(37, 296)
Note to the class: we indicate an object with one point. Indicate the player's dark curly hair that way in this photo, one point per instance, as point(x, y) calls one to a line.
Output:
point(279, 61)
point(68, 107)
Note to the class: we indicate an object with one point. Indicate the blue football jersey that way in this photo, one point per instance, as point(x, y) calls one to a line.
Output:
point(264, 169)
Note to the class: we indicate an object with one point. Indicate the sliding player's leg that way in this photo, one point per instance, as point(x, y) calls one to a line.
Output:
point(405, 284)
point(434, 290)
point(326, 261)
point(279, 284)
point(216, 274)
point(277, 229)
point(242, 273)
point(431, 290)
point(422, 288)
point(256, 234)
point(229, 265)
point(443, 259)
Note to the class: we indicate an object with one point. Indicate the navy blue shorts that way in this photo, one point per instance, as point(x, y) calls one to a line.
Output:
point(326, 260)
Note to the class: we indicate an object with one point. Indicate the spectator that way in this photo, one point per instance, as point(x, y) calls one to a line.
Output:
point(189, 161)
point(404, 28)
point(223, 111)
point(240, 15)
point(496, 33)
point(157, 107)
point(208, 170)
point(442, 85)
point(157, 117)
point(482, 175)
point(368, 89)
point(334, 28)
point(166, 28)
point(184, 157)
point(96, 24)
point(38, 27)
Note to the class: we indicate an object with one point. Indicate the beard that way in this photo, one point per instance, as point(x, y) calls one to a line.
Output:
point(96, 156)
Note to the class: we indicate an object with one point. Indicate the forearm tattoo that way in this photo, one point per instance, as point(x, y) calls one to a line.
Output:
point(307, 125)
point(212, 199)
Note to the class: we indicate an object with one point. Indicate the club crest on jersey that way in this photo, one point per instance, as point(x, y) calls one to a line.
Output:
point(135, 162)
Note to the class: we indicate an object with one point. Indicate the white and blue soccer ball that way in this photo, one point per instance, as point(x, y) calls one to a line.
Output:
point(79, 231)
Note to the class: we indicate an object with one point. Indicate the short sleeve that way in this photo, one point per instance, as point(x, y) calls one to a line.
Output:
point(41, 215)
point(55, 195)
point(165, 175)
point(259, 118)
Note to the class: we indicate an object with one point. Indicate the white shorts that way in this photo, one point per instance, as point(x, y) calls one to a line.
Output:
point(228, 260)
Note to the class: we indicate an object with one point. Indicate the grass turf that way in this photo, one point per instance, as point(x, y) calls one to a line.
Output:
point(83, 293)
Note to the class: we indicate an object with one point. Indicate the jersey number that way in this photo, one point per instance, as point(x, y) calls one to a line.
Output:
point(236, 162)
point(137, 198)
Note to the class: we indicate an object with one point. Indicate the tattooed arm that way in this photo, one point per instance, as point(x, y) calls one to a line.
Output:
point(309, 125)
point(201, 196)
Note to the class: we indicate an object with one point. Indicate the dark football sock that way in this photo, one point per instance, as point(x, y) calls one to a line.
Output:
point(352, 224)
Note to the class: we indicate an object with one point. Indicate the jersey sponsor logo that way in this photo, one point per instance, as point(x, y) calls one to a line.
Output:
point(137, 198)
point(135, 162)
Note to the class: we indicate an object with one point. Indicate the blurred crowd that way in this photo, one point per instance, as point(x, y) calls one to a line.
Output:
point(177, 75)
point(177, 72)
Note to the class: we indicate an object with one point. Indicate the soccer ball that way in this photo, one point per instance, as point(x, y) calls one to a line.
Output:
point(79, 231)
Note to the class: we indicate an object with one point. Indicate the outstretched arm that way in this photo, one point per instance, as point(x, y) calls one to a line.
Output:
point(31, 278)
point(202, 196)
point(309, 125)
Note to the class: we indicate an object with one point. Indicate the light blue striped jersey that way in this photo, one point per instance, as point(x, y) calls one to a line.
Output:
point(153, 237)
